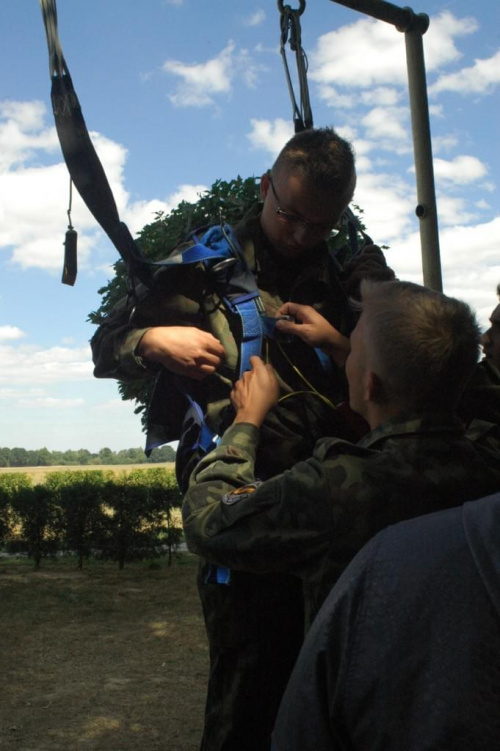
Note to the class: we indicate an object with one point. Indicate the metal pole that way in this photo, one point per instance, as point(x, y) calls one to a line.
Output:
point(426, 209)
point(401, 18)
point(414, 26)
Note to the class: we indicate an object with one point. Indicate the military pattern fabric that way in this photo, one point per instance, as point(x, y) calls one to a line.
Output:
point(314, 518)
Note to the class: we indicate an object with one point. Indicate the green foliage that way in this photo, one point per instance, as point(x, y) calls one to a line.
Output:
point(140, 522)
point(10, 485)
point(117, 517)
point(40, 519)
point(81, 498)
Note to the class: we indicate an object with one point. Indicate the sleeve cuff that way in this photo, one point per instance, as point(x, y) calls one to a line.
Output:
point(129, 359)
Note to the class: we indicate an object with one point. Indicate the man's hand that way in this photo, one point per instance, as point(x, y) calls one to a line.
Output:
point(184, 350)
point(314, 330)
point(255, 393)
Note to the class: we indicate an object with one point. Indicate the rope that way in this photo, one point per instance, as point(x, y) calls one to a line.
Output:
point(290, 28)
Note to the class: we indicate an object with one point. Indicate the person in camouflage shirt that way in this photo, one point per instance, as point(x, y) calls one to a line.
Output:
point(481, 398)
point(181, 328)
point(411, 355)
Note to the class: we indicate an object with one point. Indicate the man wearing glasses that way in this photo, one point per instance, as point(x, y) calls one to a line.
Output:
point(255, 622)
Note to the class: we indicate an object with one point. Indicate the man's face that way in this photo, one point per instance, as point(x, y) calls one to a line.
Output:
point(295, 216)
point(356, 367)
point(491, 339)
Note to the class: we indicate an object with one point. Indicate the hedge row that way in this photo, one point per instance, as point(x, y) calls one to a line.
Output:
point(111, 516)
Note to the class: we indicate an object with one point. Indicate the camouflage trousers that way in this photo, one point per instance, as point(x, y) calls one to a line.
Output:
point(255, 628)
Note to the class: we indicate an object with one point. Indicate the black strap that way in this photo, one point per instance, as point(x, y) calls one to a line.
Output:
point(290, 26)
point(79, 154)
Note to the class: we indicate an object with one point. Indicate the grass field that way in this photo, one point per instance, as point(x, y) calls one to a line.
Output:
point(38, 473)
point(101, 659)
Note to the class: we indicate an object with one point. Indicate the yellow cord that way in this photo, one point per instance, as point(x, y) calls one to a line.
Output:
point(311, 389)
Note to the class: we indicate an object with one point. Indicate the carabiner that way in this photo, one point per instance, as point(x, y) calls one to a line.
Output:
point(299, 10)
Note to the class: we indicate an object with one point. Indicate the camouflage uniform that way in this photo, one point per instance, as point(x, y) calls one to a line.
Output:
point(481, 398)
point(254, 625)
point(314, 518)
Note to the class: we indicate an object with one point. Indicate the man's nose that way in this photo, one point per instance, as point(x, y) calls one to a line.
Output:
point(301, 234)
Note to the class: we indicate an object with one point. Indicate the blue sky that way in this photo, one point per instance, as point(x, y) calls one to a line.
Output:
point(180, 93)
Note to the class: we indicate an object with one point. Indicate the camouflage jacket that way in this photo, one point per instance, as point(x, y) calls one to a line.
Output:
point(481, 398)
point(183, 296)
point(314, 518)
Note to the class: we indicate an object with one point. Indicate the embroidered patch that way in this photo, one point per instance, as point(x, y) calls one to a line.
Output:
point(235, 496)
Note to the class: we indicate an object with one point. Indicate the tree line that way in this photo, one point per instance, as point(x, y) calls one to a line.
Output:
point(19, 457)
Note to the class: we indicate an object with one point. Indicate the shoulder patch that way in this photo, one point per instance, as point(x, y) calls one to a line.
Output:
point(240, 494)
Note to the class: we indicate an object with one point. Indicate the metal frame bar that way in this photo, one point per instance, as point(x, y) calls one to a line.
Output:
point(414, 27)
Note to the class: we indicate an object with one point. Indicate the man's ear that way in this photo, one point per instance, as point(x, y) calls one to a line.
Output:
point(265, 184)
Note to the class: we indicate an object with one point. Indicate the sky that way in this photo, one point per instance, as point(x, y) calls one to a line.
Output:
point(180, 93)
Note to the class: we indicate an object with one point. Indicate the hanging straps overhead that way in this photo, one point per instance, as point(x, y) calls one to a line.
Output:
point(79, 154)
point(290, 29)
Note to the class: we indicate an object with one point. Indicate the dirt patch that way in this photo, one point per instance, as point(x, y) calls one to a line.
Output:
point(101, 659)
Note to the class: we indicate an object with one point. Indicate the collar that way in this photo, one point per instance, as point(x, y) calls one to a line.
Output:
point(411, 424)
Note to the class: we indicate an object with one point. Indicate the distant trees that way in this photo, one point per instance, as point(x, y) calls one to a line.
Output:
point(19, 457)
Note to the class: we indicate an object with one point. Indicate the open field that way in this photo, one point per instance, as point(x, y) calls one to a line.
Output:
point(101, 659)
point(38, 473)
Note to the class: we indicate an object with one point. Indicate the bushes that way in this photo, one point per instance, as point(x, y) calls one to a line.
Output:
point(118, 517)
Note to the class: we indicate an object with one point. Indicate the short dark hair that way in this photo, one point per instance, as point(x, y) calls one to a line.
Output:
point(423, 344)
point(325, 158)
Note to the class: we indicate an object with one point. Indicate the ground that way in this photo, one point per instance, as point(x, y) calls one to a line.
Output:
point(101, 659)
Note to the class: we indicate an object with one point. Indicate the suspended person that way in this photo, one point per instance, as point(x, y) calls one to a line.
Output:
point(183, 328)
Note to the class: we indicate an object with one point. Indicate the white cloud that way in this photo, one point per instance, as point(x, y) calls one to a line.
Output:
point(444, 143)
point(469, 260)
point(439, 44)
point(451, 209)
point(461, 170)
point(480, 78)
point(337, 59)
point(371, 53)
point(387, 126)
point(201, 83)
point(270, 135)
point(49, 402)
point(10, 333)
point(31, 364)
point(255, 19)
point(375, 193)
point(22, 132)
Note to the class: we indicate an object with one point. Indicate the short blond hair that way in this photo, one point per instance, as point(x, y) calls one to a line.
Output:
point(423, 345)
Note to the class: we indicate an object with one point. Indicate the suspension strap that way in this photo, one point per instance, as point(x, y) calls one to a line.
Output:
point(80, 156)
point(290, 27)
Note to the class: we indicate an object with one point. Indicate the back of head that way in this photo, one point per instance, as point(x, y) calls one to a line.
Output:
point(324, 158)
point(423, 345)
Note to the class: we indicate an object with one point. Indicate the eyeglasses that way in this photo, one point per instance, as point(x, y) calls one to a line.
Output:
point(293, 219)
